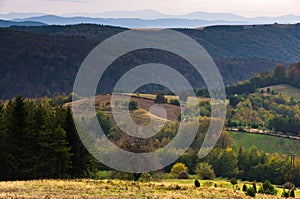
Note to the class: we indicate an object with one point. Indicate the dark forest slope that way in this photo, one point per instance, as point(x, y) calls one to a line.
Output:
point(44, 60)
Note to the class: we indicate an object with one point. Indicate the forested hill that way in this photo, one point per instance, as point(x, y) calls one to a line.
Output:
point(44, 60)
point(277, 41)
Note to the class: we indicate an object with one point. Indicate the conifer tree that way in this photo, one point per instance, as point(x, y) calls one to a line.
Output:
point(82, 161)
point(61, 152)
point(18, 152)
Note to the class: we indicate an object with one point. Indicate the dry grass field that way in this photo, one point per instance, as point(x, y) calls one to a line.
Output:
point(285, 90)
point(145, 101)
point(86, 188)
point(103, 102)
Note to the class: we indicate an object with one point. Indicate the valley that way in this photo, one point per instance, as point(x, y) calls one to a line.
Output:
point(259, 144)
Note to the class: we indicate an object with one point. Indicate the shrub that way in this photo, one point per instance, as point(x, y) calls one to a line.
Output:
point(197, 183)
point(260, 190)
point(272, 92)
point(285, 194)
point(177, 168)
point(267, 188)
point(101, 175)
point(233, 181)
point(205, 171)
point(133, 105)
point(254, 187)
point(244, 188)
point(175, 102)
point(183, 175)
point(251, 192)
point(179, 117)
point(160, 98)
point(292, 193)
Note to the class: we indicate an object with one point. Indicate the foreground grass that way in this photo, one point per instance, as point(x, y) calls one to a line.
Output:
point(119, 189)
point(266, 143)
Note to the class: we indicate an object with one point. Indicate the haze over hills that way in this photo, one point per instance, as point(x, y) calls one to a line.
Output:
point(44, 60)
point(153, 14)
point(128, 22)
point(6, 23)
point(15, 15)
point(149, 18)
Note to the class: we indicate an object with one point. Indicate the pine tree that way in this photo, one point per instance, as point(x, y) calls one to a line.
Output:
point(61, 155)
point(82, 161)
point(3, 146)
point(292, 193)
point(244, 188)
point(19, 151)
point(254, 187)
point(42, 158)
point(197, 183)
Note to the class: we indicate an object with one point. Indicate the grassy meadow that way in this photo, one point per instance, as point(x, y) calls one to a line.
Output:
point(268, 144)
point(86, 188)
point(285, 90)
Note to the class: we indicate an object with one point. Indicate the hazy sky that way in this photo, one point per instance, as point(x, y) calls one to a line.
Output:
point(248, 8)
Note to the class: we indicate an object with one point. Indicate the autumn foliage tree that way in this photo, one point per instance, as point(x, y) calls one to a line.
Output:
point(177, 168)
point(205, 171)
point(279, 73)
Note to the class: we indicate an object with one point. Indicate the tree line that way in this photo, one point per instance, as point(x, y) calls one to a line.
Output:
point(265, 111)
point(228, 160)
point(40, 141)
point(279, 75)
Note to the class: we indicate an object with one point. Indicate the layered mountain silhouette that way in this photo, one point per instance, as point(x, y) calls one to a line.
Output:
point(6, 23)
point(148, 19)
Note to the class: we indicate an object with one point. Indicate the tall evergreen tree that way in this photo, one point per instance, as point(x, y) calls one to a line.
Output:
point(61, 155)
point(42, 159)
point(82, 161)
point(3, 146)
point(19, 152)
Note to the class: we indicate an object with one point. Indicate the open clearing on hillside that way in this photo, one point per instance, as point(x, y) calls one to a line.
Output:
point(266, 143)
point(85, 188)
point(103, 102)
point(286, 91)
point(145, 101)
point(168, 97)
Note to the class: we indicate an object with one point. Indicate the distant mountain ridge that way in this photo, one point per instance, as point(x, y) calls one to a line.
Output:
point(129, 22)
point(15, 15)
point(5, 23)
point(149, 19)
